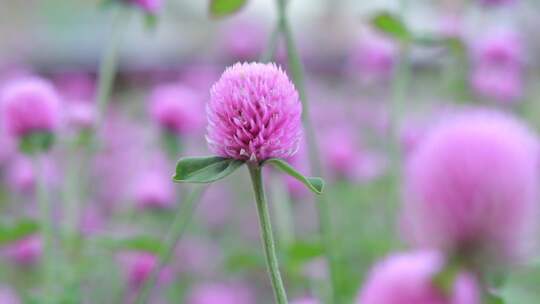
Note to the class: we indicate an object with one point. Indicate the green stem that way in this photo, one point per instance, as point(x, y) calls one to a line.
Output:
point(47, 232)
point(108, 64)
point(266, 234)
point(270, 52)
point(325, 222)
point(174, 235)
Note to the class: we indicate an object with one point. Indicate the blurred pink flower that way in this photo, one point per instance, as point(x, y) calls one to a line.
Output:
point(80, 115)
point(471, 187)
point(244, 41)
point(75, 86)
point(496, 2)
point(8, 296)
point(176, 108)
point(217, 293)
point(374, 58)
point(138, 265)
point(29, 105)
point(306, 300)
point(26, 251)
point(407, 278)
point(154, 189)
point(254, 114)
point(498, 66)
point(149, 6)
point(20, 174)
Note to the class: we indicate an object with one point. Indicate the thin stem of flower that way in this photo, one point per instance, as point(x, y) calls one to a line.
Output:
point(47, 232)
point(271, 50)
point(266, 234)
point(325, 222)
point(172, 238)
point(108, 64)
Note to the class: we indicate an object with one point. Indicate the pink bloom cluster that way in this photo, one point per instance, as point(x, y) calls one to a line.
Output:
point(374, 58)
point(149, 6)
point(29, 105)
point(407, 278)
point(471, 187)
point(254, 113)
point(498, 66)
point(176, 108)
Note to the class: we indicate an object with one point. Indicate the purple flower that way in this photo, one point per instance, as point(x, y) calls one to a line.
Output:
point(374, 57)
point(471, 188)
point(407, 278)
point(80, 115)
point(254, 114)
point(498, 66)
point(26, 251)
point(176, 108)
point(29, 105)
point(149, 6)
point(138, 265)
point(215, 293)
point(154, 189)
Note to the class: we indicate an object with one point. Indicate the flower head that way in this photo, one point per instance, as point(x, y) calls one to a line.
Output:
point(26, 251)
point(29, 105)
point(149, 6)
point(471, 187)
point(176, 108)
point(407, 278)
point(215, 293)
point(254, 114)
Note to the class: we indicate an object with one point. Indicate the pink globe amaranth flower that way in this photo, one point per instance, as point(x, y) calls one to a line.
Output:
point(501, 48)
point(26, 251)
point(29, 105)
point(80, 115)
point(176, 108)
point(254, 114)
point(138, 265)
point(8, 296)
point(149, 6)
point(306, 300)
point(244, 40)
point(496, 2)
point(504, 86)
point(407, 278)
point(219, 293)
point(154, 189)
point(374, 58)
point(471, 188)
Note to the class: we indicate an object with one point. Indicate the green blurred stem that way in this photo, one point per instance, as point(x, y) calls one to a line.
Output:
point(47, 232)
point(325, 223)
point(182, 219)
point(266, 234)
point(108, 64)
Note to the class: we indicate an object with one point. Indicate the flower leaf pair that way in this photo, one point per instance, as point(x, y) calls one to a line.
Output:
point(213, 168)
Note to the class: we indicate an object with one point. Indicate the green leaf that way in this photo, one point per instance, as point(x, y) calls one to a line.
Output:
point(222, 8)
point(36, 142)
point(391, 25)
point(140, 243)
point(17, 231)
point(492, 298)
point(315, 184)
point(204, 169)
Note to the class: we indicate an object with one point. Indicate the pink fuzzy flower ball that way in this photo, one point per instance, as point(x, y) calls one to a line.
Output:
point(177, 109)
point(216, 293)
point(254, 114)
point(471, 188)
point(149, 6)
point(407, 278)
point(26, 251)
point(138, 265)
point(29, 105)
point(153, 189)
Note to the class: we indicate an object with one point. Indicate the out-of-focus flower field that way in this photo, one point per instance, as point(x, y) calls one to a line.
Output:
point(421, 116)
